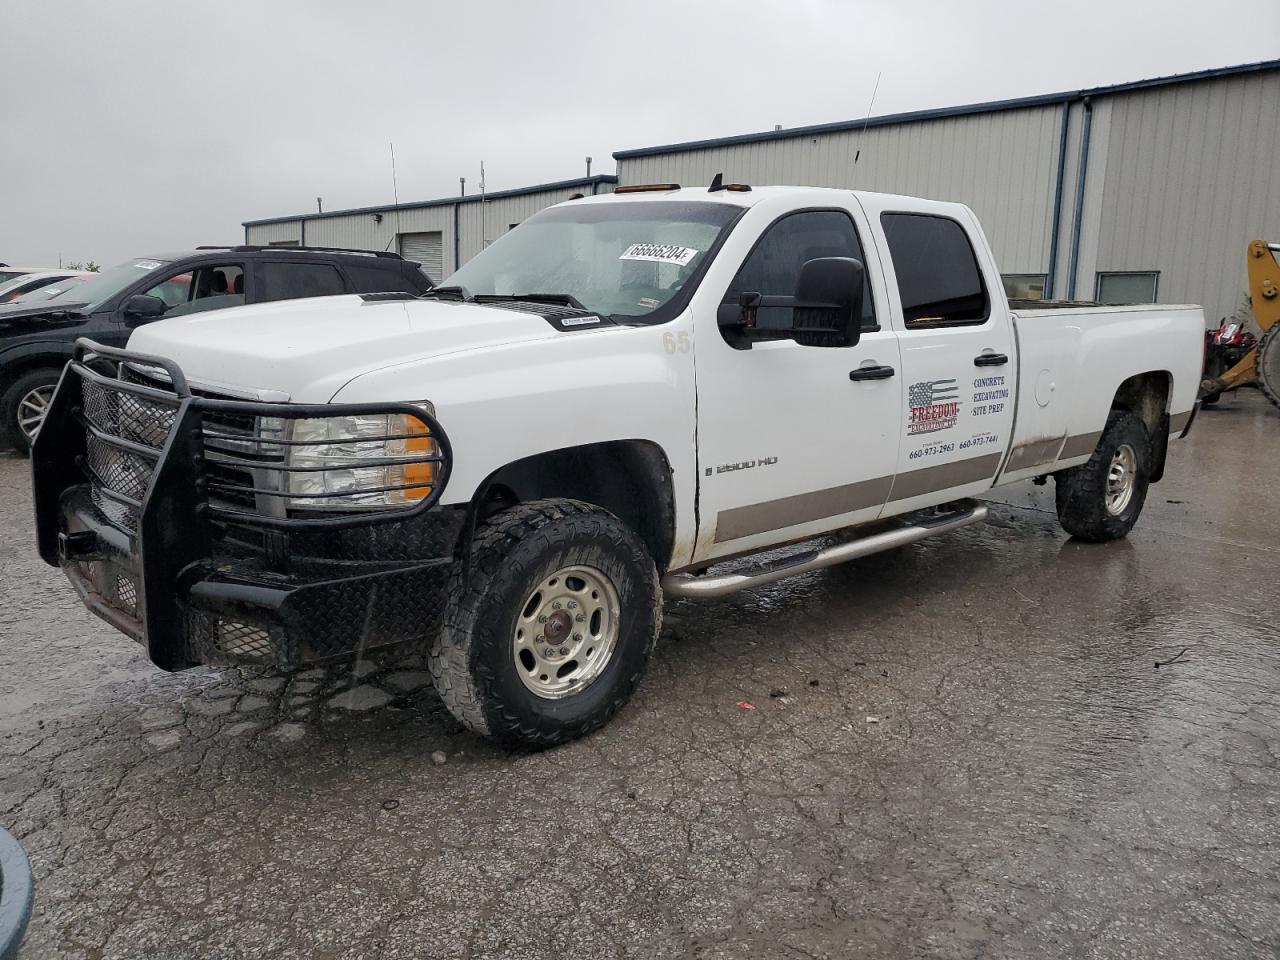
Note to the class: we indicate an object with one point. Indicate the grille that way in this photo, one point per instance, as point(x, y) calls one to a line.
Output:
point(121, 476)
point(213, 639)
point(124, 473)
point(235, 493)
point(126, 594)
point(116, 588)
point(130, 408)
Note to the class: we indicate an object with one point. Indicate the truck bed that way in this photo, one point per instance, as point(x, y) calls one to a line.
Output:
point(1073, 360)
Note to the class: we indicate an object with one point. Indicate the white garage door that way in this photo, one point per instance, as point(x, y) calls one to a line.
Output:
point(426, 249)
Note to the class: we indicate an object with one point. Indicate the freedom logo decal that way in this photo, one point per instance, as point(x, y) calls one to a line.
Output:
point(934, 405)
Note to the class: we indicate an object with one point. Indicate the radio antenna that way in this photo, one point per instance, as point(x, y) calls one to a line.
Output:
point(395, 193)
point(867, 119)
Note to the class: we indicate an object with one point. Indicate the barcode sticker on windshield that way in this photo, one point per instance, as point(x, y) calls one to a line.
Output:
point(659, 253)
point(147, 264)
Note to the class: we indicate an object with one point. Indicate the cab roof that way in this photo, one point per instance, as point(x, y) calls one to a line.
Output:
point(740, 198)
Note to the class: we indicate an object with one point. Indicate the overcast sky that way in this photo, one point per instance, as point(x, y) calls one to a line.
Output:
point(137, 127)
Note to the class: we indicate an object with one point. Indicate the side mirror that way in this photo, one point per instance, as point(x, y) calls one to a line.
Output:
point(828, 302)
point(140, 308)
point(826, 310)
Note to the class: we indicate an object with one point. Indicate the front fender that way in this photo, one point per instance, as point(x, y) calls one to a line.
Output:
point(505, 403)
point(57, 352)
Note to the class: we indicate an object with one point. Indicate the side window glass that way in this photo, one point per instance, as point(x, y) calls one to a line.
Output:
point(374, 280)
point(773, 266)
point(173, 290)
point(206, 287)
point(939, 280)
point(292, 281)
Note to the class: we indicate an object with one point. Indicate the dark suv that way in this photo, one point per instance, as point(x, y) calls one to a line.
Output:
point(36, 339)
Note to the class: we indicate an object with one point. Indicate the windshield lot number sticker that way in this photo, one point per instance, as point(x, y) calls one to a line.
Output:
point(659, 253)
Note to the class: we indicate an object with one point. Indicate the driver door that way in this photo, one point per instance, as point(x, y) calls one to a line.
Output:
point(790, 445)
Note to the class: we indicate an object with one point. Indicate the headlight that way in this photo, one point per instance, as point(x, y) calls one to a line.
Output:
point(335, 466)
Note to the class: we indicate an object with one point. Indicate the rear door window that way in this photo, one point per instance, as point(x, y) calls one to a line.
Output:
point(939, 280)
point(283, 280)
point(372, 280)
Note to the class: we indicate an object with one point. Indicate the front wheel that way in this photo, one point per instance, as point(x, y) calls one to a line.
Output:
point(1102, 499)
point(548, 633)
point(23, 406)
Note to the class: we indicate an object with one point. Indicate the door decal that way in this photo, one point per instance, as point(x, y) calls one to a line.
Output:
point(932, 405)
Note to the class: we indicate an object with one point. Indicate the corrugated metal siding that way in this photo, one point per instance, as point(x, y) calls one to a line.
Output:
point(269, 233)
point(363, 231)
point(1191, 178)
point(498, 215)
point(358, 231)
point(1003, 165)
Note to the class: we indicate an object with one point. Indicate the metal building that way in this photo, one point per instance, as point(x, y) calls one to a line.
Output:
point(1134, 192)
point(439, 234)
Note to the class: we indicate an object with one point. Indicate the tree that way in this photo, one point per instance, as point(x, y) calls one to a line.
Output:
point(88, 266)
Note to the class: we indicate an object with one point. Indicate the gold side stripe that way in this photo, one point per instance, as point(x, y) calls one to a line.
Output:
point(1033, 454)
point(806, 507)
point(916, 483)
point(802, 508)
point(1081, 445)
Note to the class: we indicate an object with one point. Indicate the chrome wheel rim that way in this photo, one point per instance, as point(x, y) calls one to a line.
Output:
point(1121, 478)
point(32, 409)
point(566, 632)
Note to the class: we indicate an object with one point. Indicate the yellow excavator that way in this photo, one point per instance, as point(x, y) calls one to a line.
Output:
point(1260, 365)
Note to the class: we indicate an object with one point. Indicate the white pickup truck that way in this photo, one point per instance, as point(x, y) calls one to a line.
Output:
point(612, 401)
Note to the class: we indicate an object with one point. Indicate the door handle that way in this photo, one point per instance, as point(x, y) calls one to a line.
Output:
point(990, 360)
point(871, 373)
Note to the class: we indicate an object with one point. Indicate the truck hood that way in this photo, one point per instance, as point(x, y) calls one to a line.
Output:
point(19, 317)
point(306, 350)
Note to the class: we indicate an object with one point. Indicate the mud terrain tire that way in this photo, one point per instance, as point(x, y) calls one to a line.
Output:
point(1083, 491)
point(475, 660)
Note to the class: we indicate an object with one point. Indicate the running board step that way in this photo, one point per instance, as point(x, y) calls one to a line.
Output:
point(719, 585)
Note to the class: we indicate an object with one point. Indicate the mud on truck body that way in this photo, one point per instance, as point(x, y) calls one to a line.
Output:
point(616, 400)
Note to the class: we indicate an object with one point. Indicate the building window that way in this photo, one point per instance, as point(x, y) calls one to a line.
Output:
point(938, 276)
point(1024, 286)
point(1127, 286)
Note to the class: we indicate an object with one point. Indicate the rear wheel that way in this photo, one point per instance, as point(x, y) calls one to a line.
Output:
point(1102, 499)
point(23, 406)
point(548, 634)
point(1268, 364)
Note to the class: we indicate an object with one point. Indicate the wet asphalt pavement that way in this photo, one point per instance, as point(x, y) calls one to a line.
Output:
point(960, 749)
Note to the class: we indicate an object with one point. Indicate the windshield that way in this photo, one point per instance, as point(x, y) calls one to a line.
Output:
point(7, 275)
point(55, 289)
point(107, 284)
point(617, 259)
